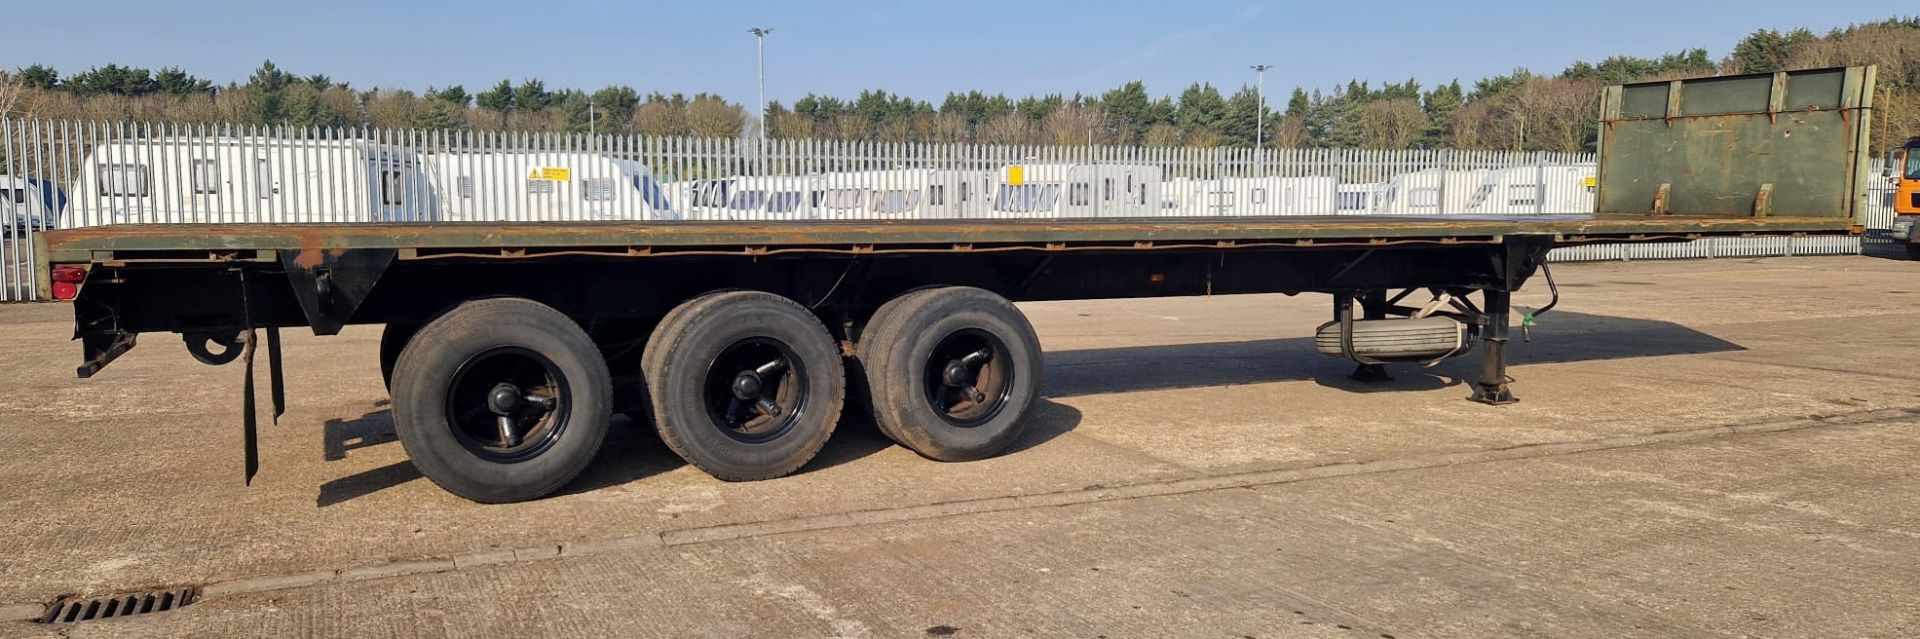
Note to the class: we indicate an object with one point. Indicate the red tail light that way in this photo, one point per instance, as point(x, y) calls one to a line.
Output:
point(66, 281)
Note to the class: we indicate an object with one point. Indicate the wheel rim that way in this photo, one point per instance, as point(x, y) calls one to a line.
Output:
point(968, 378)
point(508, 404)
point(756, 389)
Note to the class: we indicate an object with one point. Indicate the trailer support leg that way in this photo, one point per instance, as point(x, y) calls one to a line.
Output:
point(1491, 388)
point(1373, 306)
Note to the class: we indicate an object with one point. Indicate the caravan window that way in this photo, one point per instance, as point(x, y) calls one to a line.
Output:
point(895, 201)
point(18, 196)
point(536, 187)
point(1107, 194)
point(392, 190)
point(937, 195)
point(1258, 196)
point(1424, 197)
point(711, 193)
point(205, 177)
point(1353, 201)
point(1480, 195)
point(966, 192)
point(840, 198)
point(597, 190)
point(1522, 195)
point(1079, 194)
point(1222, 199)
point(748, 200)
point(785, 202)
point(1026, 198)
point(263, 179)
point(123, 180)
point(465, 186)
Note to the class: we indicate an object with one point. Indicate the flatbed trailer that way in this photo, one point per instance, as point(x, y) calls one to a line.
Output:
point(508, 346)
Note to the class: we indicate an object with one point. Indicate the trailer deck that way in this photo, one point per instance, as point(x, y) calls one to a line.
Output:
point(154, 241)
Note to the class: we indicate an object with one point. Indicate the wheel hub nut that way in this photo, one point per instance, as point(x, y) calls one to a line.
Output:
point(746, 387)
point(955, 374)
point(503, 399)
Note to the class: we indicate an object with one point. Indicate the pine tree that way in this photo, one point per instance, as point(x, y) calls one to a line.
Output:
point(1242, 117)
point(40, 76)
point(1127, 109)
point(1441, 104)
point(1201, 108)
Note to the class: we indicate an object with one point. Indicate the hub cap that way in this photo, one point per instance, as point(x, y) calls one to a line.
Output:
point(968, 378)
point(756, 389)
point(507, 404)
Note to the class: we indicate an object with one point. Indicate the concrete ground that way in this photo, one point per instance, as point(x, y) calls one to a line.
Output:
point(1711, 448)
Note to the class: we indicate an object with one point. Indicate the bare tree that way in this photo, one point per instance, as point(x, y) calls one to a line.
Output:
point(12, 92)
point(1074, 125)
point(791, 126)
point(713, 117)
point(1161, 135)
point(1290, 133)
point(659, 118)
point(1006, 128)
point(1392, 124)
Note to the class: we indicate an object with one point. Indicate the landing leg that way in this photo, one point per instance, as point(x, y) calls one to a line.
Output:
point(1491, 388)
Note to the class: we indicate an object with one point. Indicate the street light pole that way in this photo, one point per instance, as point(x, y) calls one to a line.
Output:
point(760, 37)
point(1260, 113)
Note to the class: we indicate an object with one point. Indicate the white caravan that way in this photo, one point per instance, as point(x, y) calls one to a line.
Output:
point(900, 194)
point(894, 194)
point(1245, 196)
point(1357, 198)
point(778, 197)
point(540, 187)
point(1567, 188)
point(28, 203)
point(234, 179)
point(1078, 190)
point(1430, 192)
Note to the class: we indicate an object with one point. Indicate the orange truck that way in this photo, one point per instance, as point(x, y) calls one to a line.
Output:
point(1903, 171)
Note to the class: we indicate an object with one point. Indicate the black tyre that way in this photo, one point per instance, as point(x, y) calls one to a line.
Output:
point(393, 339)
point(951, 372)
point(501, 400)
point(743, 385)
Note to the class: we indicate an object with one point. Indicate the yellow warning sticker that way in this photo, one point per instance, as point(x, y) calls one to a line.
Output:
point(1016, 174)
point(551, 174)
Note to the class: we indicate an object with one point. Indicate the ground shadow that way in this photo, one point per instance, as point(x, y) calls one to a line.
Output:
point(1886, 250)
point(856, 436)
point(366, 483)
point(633, 451)
point(1562, 336)
point(341, 435)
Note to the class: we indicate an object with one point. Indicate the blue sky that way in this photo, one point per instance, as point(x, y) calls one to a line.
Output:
point(921, 49)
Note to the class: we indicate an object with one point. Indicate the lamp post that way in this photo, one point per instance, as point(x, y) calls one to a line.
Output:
point(760, 37)
point(1260, 114)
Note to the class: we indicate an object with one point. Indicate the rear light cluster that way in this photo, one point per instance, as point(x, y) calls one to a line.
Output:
point(66, 281)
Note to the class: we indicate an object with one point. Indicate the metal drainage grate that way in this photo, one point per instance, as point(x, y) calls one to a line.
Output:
point(122, 605)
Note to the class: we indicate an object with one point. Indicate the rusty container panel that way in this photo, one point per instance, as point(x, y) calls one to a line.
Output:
point(1792, 143)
